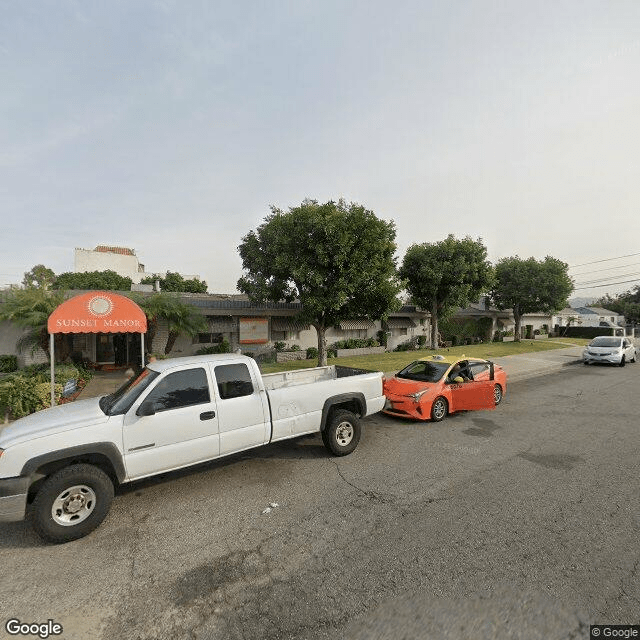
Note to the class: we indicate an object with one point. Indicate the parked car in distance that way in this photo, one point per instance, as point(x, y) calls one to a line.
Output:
point(610, 350)
point(434, 386)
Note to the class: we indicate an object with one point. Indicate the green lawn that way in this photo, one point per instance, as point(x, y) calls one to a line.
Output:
point(396, 360)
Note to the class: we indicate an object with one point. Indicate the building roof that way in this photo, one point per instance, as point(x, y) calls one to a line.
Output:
point(596, 311)
point(123, 251)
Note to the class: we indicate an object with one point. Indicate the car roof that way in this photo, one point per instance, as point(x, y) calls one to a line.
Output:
point(449, 358)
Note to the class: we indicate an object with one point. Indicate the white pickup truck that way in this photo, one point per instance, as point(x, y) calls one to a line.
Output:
point(59, 467)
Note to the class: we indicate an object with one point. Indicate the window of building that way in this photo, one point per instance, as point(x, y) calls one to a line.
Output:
point(234, 381)
point(208, 338)
point(180, 389)
point(284, 335)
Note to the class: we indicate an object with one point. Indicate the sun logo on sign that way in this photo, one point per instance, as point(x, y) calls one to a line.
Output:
point(100, 306)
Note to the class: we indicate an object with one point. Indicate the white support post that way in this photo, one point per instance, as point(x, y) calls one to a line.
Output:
point(142, 347)
point(53, 368)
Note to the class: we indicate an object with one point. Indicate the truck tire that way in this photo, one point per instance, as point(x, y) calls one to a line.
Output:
point(342, 433)
point(71, 503)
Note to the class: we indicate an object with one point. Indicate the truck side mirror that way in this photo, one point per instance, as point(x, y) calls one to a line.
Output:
point(146, 409)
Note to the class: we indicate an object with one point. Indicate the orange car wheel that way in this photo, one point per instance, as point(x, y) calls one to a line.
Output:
point(497, 394)
point(439, 409)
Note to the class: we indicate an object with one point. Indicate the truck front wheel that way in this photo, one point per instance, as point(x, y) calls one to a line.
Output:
point(71, 503)
point(342, 433)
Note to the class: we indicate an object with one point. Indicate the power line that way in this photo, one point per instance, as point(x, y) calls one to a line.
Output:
point(611, 284)
point(584, 264)
point(620, 275)
point(622, 266)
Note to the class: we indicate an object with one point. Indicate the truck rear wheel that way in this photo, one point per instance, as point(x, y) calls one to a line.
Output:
point(342, 433)
point(71, 503)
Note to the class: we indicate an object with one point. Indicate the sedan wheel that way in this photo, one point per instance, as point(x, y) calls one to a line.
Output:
point(439, 409)
point(622, 361)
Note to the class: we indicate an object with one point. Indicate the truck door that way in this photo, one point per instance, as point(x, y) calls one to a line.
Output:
point(173, 425)
point(243, 408)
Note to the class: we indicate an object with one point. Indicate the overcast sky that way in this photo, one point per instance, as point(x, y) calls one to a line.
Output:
point(170, 127)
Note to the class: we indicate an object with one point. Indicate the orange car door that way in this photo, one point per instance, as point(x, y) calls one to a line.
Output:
point(475, 394)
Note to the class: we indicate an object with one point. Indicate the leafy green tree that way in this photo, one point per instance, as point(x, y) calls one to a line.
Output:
point(175, 282)
point(531, 286)
point(30, 308)
point(40, 276)
point(336, 258)
point(107, 280)
point(626, 304)
point(447, 274)
point(182, 318)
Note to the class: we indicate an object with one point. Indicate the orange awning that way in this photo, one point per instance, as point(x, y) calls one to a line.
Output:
point(98, 312)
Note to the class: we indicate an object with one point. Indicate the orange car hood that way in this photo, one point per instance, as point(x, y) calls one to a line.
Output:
point(402, 387)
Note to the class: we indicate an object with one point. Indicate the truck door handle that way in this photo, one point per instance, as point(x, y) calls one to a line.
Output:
point(207, 415)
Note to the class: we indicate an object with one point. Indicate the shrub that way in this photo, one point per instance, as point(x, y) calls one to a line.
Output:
point(223, 347)
point(295, 347)
point(422, 340)
point(382, 337)
point(331, 353)
point(8, 364)
point(22, 395)
point(312, 353)
point(280, 346)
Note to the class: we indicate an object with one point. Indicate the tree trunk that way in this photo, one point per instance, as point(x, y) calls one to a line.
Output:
point(434, 325)
point(518, 318)
point(171, 340)
point(322, 345)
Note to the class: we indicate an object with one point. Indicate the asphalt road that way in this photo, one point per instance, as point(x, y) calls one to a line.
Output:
point(523, 522)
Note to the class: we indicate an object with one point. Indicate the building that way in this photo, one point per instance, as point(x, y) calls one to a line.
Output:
point(252, 328)
point(122, 260)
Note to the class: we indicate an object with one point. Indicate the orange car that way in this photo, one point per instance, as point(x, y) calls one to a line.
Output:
point(432, 387)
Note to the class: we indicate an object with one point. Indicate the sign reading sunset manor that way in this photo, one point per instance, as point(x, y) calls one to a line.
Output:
point(98, 312)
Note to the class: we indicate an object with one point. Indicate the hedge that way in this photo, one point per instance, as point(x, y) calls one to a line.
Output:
point(8, 363)
point(587, 332)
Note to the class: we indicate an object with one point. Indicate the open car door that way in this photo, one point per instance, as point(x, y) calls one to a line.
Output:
point(474, 394)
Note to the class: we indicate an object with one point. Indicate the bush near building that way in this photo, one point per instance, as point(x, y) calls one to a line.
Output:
point(29, 390)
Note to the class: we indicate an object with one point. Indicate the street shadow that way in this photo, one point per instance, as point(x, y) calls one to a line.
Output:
point(484, 428)
point(562, 461)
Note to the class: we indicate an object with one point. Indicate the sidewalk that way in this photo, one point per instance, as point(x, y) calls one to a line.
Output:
point(103, 383)
point(530, 365)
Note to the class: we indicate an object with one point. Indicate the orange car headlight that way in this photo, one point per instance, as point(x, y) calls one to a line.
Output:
point(418, 395)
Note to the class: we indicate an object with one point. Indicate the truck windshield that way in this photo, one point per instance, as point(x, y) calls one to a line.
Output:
point(424, 371)
point(121, 400)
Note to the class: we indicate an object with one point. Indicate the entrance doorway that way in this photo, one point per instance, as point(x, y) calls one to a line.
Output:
point(118, 349)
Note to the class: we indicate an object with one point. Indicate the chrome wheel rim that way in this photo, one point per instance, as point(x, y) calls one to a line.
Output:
point(439, 409)
point(73, 505)
point(497, 394)
point(344, 433)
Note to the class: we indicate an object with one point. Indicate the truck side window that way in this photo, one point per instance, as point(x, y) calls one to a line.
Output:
point(234, 381)
point(180, 389)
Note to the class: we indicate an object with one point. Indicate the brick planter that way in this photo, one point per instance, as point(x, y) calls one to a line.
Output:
point(364, 351)
point(540, 336)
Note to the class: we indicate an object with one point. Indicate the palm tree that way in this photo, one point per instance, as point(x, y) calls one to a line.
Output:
point(183, 319)
point(30, 308)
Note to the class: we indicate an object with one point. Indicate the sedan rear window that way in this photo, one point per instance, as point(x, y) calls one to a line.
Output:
point(604, 341)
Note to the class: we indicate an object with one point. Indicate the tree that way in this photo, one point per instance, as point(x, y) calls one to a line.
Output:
point(182, 318)
point(40, 276)
point(30, 308)
point(336, 258)
point(626, 304)
point(175, 282)
point(447, 274)
point(530, 286)
point(107, 280)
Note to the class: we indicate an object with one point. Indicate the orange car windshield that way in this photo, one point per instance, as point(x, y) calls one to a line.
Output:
point(424, 371)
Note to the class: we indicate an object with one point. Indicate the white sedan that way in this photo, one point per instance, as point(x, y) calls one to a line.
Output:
point(610, 350)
